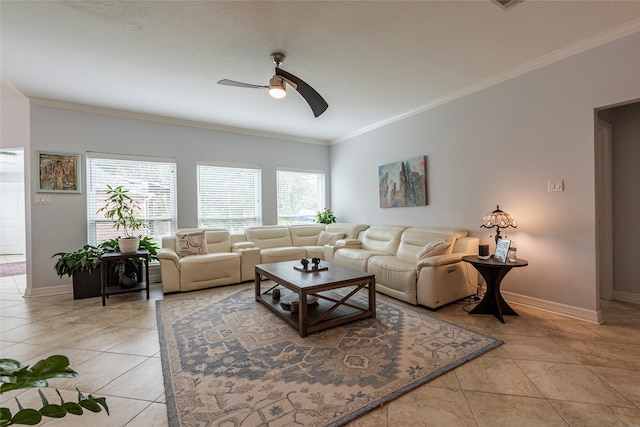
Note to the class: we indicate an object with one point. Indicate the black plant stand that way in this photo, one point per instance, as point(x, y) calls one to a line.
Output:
point(106, 289)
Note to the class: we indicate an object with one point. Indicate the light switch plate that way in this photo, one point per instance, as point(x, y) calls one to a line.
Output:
point(554, 185)
point(42, 199)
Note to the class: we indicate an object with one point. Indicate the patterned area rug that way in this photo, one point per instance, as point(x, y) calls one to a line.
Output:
point(13, 268)
point(229, 361)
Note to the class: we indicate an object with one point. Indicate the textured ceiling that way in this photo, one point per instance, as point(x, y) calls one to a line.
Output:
point(371, 61)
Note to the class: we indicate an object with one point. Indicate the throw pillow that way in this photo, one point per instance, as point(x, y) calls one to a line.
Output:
point(326, 238)
point(437, 247)
point(191, 243)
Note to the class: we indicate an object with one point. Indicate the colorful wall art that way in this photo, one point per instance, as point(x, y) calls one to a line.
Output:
point(403, 183)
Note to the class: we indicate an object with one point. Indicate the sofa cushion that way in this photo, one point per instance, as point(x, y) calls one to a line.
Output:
point(351, 231)
point(354, 258)
point(191, 243)
point(315, 251)
point(435, 247)
point(305, 234)
point(415, 238)
point(209, 270)
point(382, 238)
point(326, 238)
point(269, 236)
point(289, 253)
point(395, 274)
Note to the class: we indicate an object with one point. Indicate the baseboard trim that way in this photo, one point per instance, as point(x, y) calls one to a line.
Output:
point(623, 296)
point(591, 316)
point(48, 291)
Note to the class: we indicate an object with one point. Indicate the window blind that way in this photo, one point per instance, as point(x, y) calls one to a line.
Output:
point(300, 196)
point(151, 184)
point(229, 197)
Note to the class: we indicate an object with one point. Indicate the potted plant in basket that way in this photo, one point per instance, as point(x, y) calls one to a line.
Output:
point(83, 266)
point(122, 209)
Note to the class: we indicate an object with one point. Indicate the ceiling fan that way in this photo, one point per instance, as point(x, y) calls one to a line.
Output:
point(277, 87)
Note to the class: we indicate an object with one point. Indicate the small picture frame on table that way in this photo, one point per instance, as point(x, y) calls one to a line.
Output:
point(58, 172)
point(502, 249)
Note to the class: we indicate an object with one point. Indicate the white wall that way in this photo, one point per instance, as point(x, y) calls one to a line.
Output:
point(14, 117)
point(62, 226)
point(501, 145)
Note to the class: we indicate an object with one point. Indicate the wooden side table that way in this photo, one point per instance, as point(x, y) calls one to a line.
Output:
point(493, 272)
point(107, 290)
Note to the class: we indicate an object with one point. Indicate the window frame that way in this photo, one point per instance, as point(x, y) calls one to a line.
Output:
point(321, 197)
point(233, 224)
point(93, 218)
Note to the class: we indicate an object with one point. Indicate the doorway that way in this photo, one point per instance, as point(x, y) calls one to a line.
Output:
point(12, 214)
point(617, 154)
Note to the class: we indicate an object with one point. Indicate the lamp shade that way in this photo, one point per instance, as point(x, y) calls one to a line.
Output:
point(498, 219)
point(277, 88)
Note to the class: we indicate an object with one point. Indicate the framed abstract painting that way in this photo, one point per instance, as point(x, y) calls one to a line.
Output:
point(58, 172)
point(404, 183)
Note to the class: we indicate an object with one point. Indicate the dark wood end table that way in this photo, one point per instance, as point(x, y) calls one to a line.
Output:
point(493, 272)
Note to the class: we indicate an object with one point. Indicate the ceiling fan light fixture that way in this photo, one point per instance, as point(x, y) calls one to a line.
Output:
point(277, 88)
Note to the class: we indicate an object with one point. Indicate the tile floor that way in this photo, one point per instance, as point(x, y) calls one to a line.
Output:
point(11, 258)
point(551, 371)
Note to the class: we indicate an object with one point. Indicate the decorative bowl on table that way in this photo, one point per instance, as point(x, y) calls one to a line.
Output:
point(286, 300)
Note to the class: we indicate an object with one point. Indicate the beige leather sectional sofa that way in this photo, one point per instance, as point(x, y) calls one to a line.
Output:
point(391, 253)
point(231, 258)
point(388, 251)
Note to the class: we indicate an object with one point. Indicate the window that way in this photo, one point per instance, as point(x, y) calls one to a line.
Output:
point(300, 196)
point(229, 197)
point(151, 183)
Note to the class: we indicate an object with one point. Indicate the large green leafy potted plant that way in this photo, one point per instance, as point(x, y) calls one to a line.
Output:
point(83, 266)
point(122, 209)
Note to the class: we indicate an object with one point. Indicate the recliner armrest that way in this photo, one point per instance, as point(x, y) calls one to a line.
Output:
point(438, 260)
point(166, 254)
point(243, 245)
point(348, 243)
point(249, 257)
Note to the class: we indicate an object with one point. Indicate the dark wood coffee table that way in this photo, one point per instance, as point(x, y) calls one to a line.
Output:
point(332, 308)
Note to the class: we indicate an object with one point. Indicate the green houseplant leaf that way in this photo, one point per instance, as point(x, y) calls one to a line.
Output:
point(122, 210)
point(325, 217)
point(87, 258)
point(13, 375)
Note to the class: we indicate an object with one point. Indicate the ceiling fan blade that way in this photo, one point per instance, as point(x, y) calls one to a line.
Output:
point(227, 82)
point(316, 102)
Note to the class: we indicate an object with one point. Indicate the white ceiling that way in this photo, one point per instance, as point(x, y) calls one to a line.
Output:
point(372, 61)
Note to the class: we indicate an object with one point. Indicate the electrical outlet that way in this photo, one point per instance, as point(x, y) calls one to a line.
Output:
point(555, 185)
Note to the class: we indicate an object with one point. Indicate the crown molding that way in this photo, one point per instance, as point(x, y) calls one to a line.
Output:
point(112, 112)
point(558, 55)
